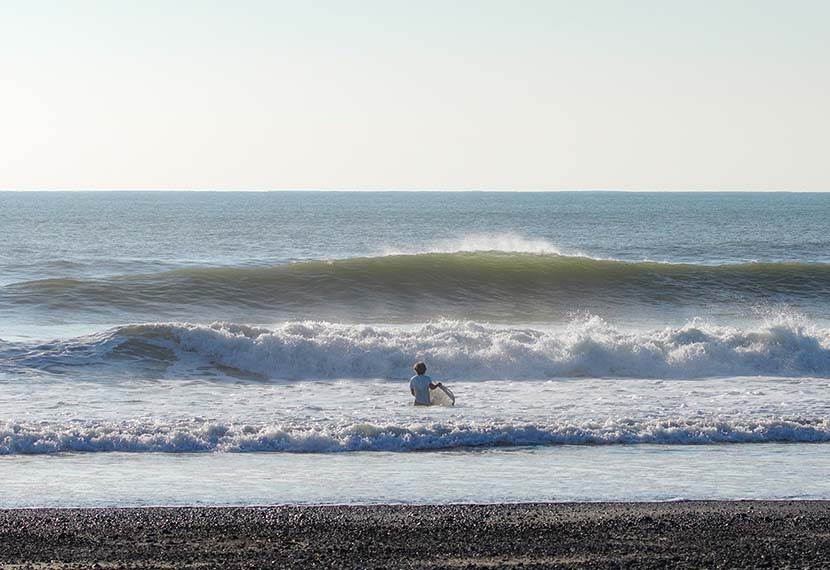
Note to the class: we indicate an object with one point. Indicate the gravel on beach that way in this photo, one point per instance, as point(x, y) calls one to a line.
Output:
point(730, 534)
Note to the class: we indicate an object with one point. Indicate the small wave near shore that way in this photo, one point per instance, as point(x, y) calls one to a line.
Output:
point(191, 436)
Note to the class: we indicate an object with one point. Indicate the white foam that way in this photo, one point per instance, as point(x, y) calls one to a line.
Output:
point(588, 347)
point(189, 436)
point(466, 350)
point(470, 243)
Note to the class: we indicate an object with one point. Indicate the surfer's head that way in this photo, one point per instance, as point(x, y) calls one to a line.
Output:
point(419, 368)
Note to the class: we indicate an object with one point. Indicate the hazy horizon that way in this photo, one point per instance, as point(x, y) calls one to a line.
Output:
point(389, 95)
point(411, 190)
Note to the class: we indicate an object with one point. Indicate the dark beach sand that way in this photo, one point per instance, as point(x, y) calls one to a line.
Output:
point(597, 535)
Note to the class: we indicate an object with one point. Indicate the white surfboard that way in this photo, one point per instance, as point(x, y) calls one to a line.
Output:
point(441, 396)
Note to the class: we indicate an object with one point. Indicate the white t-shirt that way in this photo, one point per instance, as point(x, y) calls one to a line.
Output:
point(420, 384)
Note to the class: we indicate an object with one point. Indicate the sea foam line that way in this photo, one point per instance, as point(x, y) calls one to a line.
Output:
point(190, 436)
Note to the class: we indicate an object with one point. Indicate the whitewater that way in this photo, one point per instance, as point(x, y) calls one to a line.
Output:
point(323, 387)
point(680, 334)
point(587, 347)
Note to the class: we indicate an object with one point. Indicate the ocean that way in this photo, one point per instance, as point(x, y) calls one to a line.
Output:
point(165, 348)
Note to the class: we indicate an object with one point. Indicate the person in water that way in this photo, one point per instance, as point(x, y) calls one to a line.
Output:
point(421, 384)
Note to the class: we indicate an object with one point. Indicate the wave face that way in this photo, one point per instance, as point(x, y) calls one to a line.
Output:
point(588, 347)
point(188, 436)
point(495, 286)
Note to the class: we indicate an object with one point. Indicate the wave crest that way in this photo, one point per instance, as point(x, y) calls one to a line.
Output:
point(480, 243)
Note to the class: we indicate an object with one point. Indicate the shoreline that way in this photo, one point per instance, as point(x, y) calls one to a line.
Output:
point(679, 534)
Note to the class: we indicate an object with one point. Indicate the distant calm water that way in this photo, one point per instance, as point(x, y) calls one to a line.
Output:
point(288, 322)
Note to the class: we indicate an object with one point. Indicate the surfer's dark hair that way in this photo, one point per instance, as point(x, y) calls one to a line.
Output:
point(419, 367)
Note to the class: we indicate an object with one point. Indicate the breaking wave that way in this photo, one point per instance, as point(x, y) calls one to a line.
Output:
point(488, 243)
point(587, 347)
point(189, 436)
point(496, 285)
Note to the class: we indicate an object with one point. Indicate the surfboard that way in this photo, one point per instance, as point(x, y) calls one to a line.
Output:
point(441, 396)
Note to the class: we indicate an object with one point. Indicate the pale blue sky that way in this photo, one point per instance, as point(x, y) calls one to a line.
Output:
point(452, 94)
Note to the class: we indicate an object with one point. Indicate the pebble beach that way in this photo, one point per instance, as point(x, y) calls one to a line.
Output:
point(731, 534)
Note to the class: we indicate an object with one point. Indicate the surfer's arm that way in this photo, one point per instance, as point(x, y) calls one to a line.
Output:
point(434, 386)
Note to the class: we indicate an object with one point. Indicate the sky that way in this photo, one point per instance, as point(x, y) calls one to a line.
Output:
point(426, 94)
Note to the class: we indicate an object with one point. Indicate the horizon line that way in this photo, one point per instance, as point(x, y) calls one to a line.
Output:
point(409, 190)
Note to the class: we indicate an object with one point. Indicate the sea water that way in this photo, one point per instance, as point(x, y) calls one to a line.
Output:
point(241, 348)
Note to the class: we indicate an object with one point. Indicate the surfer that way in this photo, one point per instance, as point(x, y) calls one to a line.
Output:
point(421, 384)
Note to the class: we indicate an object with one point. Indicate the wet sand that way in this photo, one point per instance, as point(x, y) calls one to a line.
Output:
point(594, 535)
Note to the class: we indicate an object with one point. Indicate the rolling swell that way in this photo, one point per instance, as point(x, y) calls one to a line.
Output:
point(499, 286)
point(458, 350)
